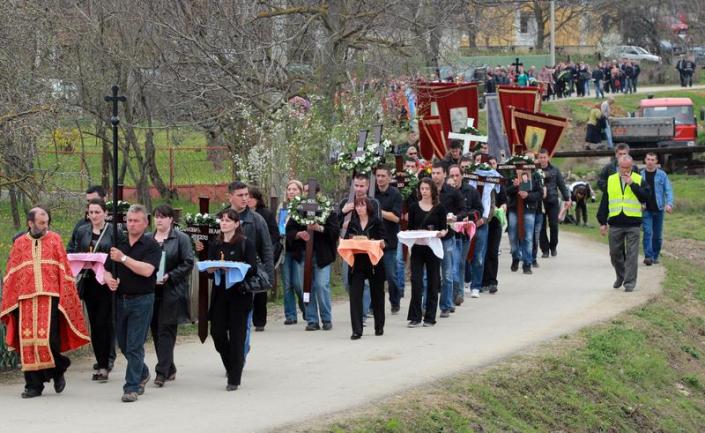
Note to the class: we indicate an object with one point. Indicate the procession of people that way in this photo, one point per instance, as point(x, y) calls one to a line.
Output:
point(443, 237)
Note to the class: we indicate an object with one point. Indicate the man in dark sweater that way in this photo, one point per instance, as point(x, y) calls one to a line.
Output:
point(554, 183)
point(620, 213)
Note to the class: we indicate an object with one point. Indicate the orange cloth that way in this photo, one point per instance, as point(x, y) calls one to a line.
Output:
point(37, 271)
point(347, 248)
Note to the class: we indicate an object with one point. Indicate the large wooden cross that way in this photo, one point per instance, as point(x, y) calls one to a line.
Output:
point(203, 234)
point(309, 209)
point(359, 151)
point(520, 201)
point(467, 138)
point(516, 69)
point(379, 150)
point(401, 177)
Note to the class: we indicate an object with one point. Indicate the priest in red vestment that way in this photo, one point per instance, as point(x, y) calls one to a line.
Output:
point(40, 306)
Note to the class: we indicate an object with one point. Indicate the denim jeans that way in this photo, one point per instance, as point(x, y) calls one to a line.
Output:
point(292, 276)
point(538, 226)
point(599, 92)
point(608, 134)
point(366, 299)
point(652, 222)
point(521, 250)
point(478, 258)
point(390, 272)
point(320, 301)
point(133, 316)
point(401, 268)
point(447, 274)
point(462, 246)
point(586, 87)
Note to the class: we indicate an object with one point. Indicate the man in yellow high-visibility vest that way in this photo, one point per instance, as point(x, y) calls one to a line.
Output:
point(620, 209)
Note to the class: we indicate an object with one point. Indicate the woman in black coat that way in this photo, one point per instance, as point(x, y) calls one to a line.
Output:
point(171, 296)
point(230, 306)
point(98, 297)
point(364, 222)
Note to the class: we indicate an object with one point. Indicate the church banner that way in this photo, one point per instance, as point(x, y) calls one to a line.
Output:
point(525, 98)
point(431, 139)
point(536, 130)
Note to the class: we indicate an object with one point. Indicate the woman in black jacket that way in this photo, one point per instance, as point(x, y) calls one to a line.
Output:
point(426, 214)
point(96, 237)
point(230, 306)
point(364, 222)
point(171, 296)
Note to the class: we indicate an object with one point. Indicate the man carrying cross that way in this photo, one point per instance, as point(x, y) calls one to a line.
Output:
point(324, 238)
point(524, 191)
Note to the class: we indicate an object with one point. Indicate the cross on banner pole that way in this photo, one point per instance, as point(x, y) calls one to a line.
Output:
point(309, 208)
point(520, 200)
point(359, 151)
point(115, 121)
point(516, 69)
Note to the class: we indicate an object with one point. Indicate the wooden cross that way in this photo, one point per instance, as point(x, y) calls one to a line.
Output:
point(309, 208)
point(520, 201)
point(379, 150)
point(401, 177)
point(516, 69)
point(467, 138)
point(361, 139)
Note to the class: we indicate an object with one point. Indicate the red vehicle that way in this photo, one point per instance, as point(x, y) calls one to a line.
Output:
point(681, 110)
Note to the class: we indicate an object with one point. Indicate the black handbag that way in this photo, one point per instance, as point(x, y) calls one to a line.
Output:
point(258, 282)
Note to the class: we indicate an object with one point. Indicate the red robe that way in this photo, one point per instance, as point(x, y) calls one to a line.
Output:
point(37, 271)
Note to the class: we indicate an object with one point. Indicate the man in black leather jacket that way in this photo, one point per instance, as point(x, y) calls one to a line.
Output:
point(554, 183)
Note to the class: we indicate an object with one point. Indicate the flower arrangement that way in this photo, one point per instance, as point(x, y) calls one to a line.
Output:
point(364, 163)
point(472, 168)
point(297, 213)
point(122, 206)
point(426, 169)
point(520, 160)
point(470, 130)
point(200, 219)
point(411, 184)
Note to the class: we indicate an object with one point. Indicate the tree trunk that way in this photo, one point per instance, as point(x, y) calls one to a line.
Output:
point(539, 14)
point(151, 154)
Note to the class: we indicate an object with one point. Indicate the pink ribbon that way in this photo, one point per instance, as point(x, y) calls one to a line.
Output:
point(465, 227)
point(94, 261)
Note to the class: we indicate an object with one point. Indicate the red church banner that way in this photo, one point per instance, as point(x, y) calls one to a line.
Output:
point(536, 130)
point(431, 139)
point(525, 98)
point(453, 103)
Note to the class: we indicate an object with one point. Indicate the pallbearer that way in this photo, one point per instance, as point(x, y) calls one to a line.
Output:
point(390, 203)
point(362, 250)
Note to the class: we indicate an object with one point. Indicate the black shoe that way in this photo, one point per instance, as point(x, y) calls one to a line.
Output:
point(111, 364)
point(313, 327)
point(544, 255)
point(629, 287)
point(617, 284)
point(526, 269)
point(355, 336)
point(231, 387)
point(290, 322)
point(327, 326)
point(59, 383)
point(493, 289)
point(96, 366)
point(30, 393)
point(100, 377)
point(444, 314)
point(554, 253)
point(143, 383)
point(259, 328)
point(515, 265)
point(379, 332)
point(535, 264)
point(458, 301)
point(656, 262)
point(395, 309)
point(648, 261)
point(159, 380)
point(452, 309)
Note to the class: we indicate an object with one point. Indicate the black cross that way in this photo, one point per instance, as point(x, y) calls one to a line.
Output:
point(115, 121)
point(516, 68)
point(310, 207)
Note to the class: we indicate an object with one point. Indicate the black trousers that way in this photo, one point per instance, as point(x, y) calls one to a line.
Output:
point(164, 336)
point(35, 379)
point(229, 312)
point(551, 209)
point(99, 305)
point(494, 238)
point(259, 315)
point(363, 270)
point(423, 257)
point(580, 210)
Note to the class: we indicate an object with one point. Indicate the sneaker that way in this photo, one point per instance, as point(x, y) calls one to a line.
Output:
point(527, 269)
point(445, 314)
point(327, 326)
point(290, 322)
point(144, 382)
point(466, 288)
point(129, 397)
point(515, 265)
point(159, 380)
point(475, 293)
point(414, 324)
point(101, 376)
point(171, 377)
point(428, 324)
point(313, 327)
point(648, 261)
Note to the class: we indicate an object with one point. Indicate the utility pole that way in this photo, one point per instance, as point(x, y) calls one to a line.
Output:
point(553, 32)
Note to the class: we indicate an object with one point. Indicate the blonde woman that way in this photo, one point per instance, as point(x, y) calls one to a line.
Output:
point(292, 270)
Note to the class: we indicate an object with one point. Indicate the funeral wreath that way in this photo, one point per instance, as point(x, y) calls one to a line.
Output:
point(200, 219)
point(297, 213)
point(365, 162)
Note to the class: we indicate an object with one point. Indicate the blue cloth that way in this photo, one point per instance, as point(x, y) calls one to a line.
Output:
point(235, 273)
point(664, 190)
point(283, 217)
point(132, 319)
point(652, 222)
